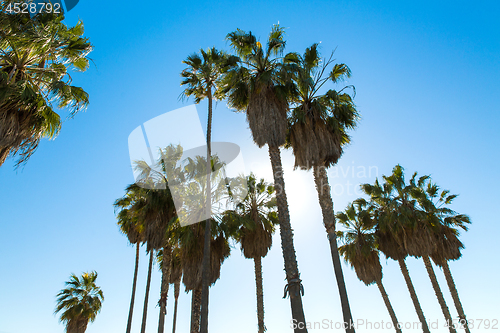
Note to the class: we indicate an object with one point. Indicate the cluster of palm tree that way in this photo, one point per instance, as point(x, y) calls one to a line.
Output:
point(35, 55)
point(147, 215)
point(287, 105)
point(403, 219)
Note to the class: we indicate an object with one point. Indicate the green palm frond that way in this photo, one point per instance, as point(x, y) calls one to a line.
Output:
point(81, 299)
point(35, 57)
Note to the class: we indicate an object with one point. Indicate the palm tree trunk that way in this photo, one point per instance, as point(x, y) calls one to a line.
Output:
point(177, 286)
point(134, 286)
point(326, 203)
point(260, 293)
point(165, 280)
point(83, 327)
point(291, 267)
point(413, 294)
point(388, 305)
point(205, 275)
point(195, 310)
point(439, 294)
point(454, 295)
point(146, 298)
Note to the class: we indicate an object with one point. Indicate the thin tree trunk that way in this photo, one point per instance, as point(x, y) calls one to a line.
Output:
point(134, 287)
point(205, 275)
point(146, 298)
point(413, 294)
point(177, 286)
point(439, 294)
point(260, 293)
point(195, 310)
point(291, 267)
point(454, 295)
point(165, 280)
point(388, 305)
point(326, 203)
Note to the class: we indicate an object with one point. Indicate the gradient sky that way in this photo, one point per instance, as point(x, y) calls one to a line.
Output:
point(426, 75)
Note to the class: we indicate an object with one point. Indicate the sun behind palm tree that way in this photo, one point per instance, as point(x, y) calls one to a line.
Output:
point(317, 134)
point(257, 88)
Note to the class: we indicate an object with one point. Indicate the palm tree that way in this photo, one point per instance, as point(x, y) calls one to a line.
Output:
point(360, 249)
point(175, 278)
point(252, 224)
point(317, 134)
point(256, 87)
point(160, 215)
point(80, 302)
point(34, 60)
point(446, 222)
point(190, 238)
point(131, 225)
point(201, 78)
point(419, 229)
point(394, 213)
point(148, 287)
point(191, 243)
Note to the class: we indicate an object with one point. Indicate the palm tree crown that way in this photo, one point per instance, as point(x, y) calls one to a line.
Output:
point(318, 122)
point(257, 86)
point(80, 302)
point(34, 79)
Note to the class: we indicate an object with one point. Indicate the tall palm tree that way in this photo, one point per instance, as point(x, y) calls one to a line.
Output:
point(142, 213)
point(360, 249)
point(394, 212)
point(132, 226)
point(257, 88)
point(159, 213)
point(148, 287)
point(191, 243)
point(175, 278)
point(317, 134)
point(419, 229)
point(190, 238)
point(446, 223)
point(80, 302)
point(252, 224)
point(201, 79)
point(34, 81)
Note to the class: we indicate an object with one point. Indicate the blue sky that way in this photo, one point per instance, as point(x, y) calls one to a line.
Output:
point(426, 76)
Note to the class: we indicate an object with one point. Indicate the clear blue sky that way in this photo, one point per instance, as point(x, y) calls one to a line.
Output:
point(426, 75)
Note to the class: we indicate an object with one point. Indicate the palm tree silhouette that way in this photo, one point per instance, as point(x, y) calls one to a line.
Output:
point(394, 212)
point(360, 249)
point(445, 223)
point(252, 224)
point(317, 134)
point(80, 302)
point(132, 226)
point(255, 87)
point(201, 79)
